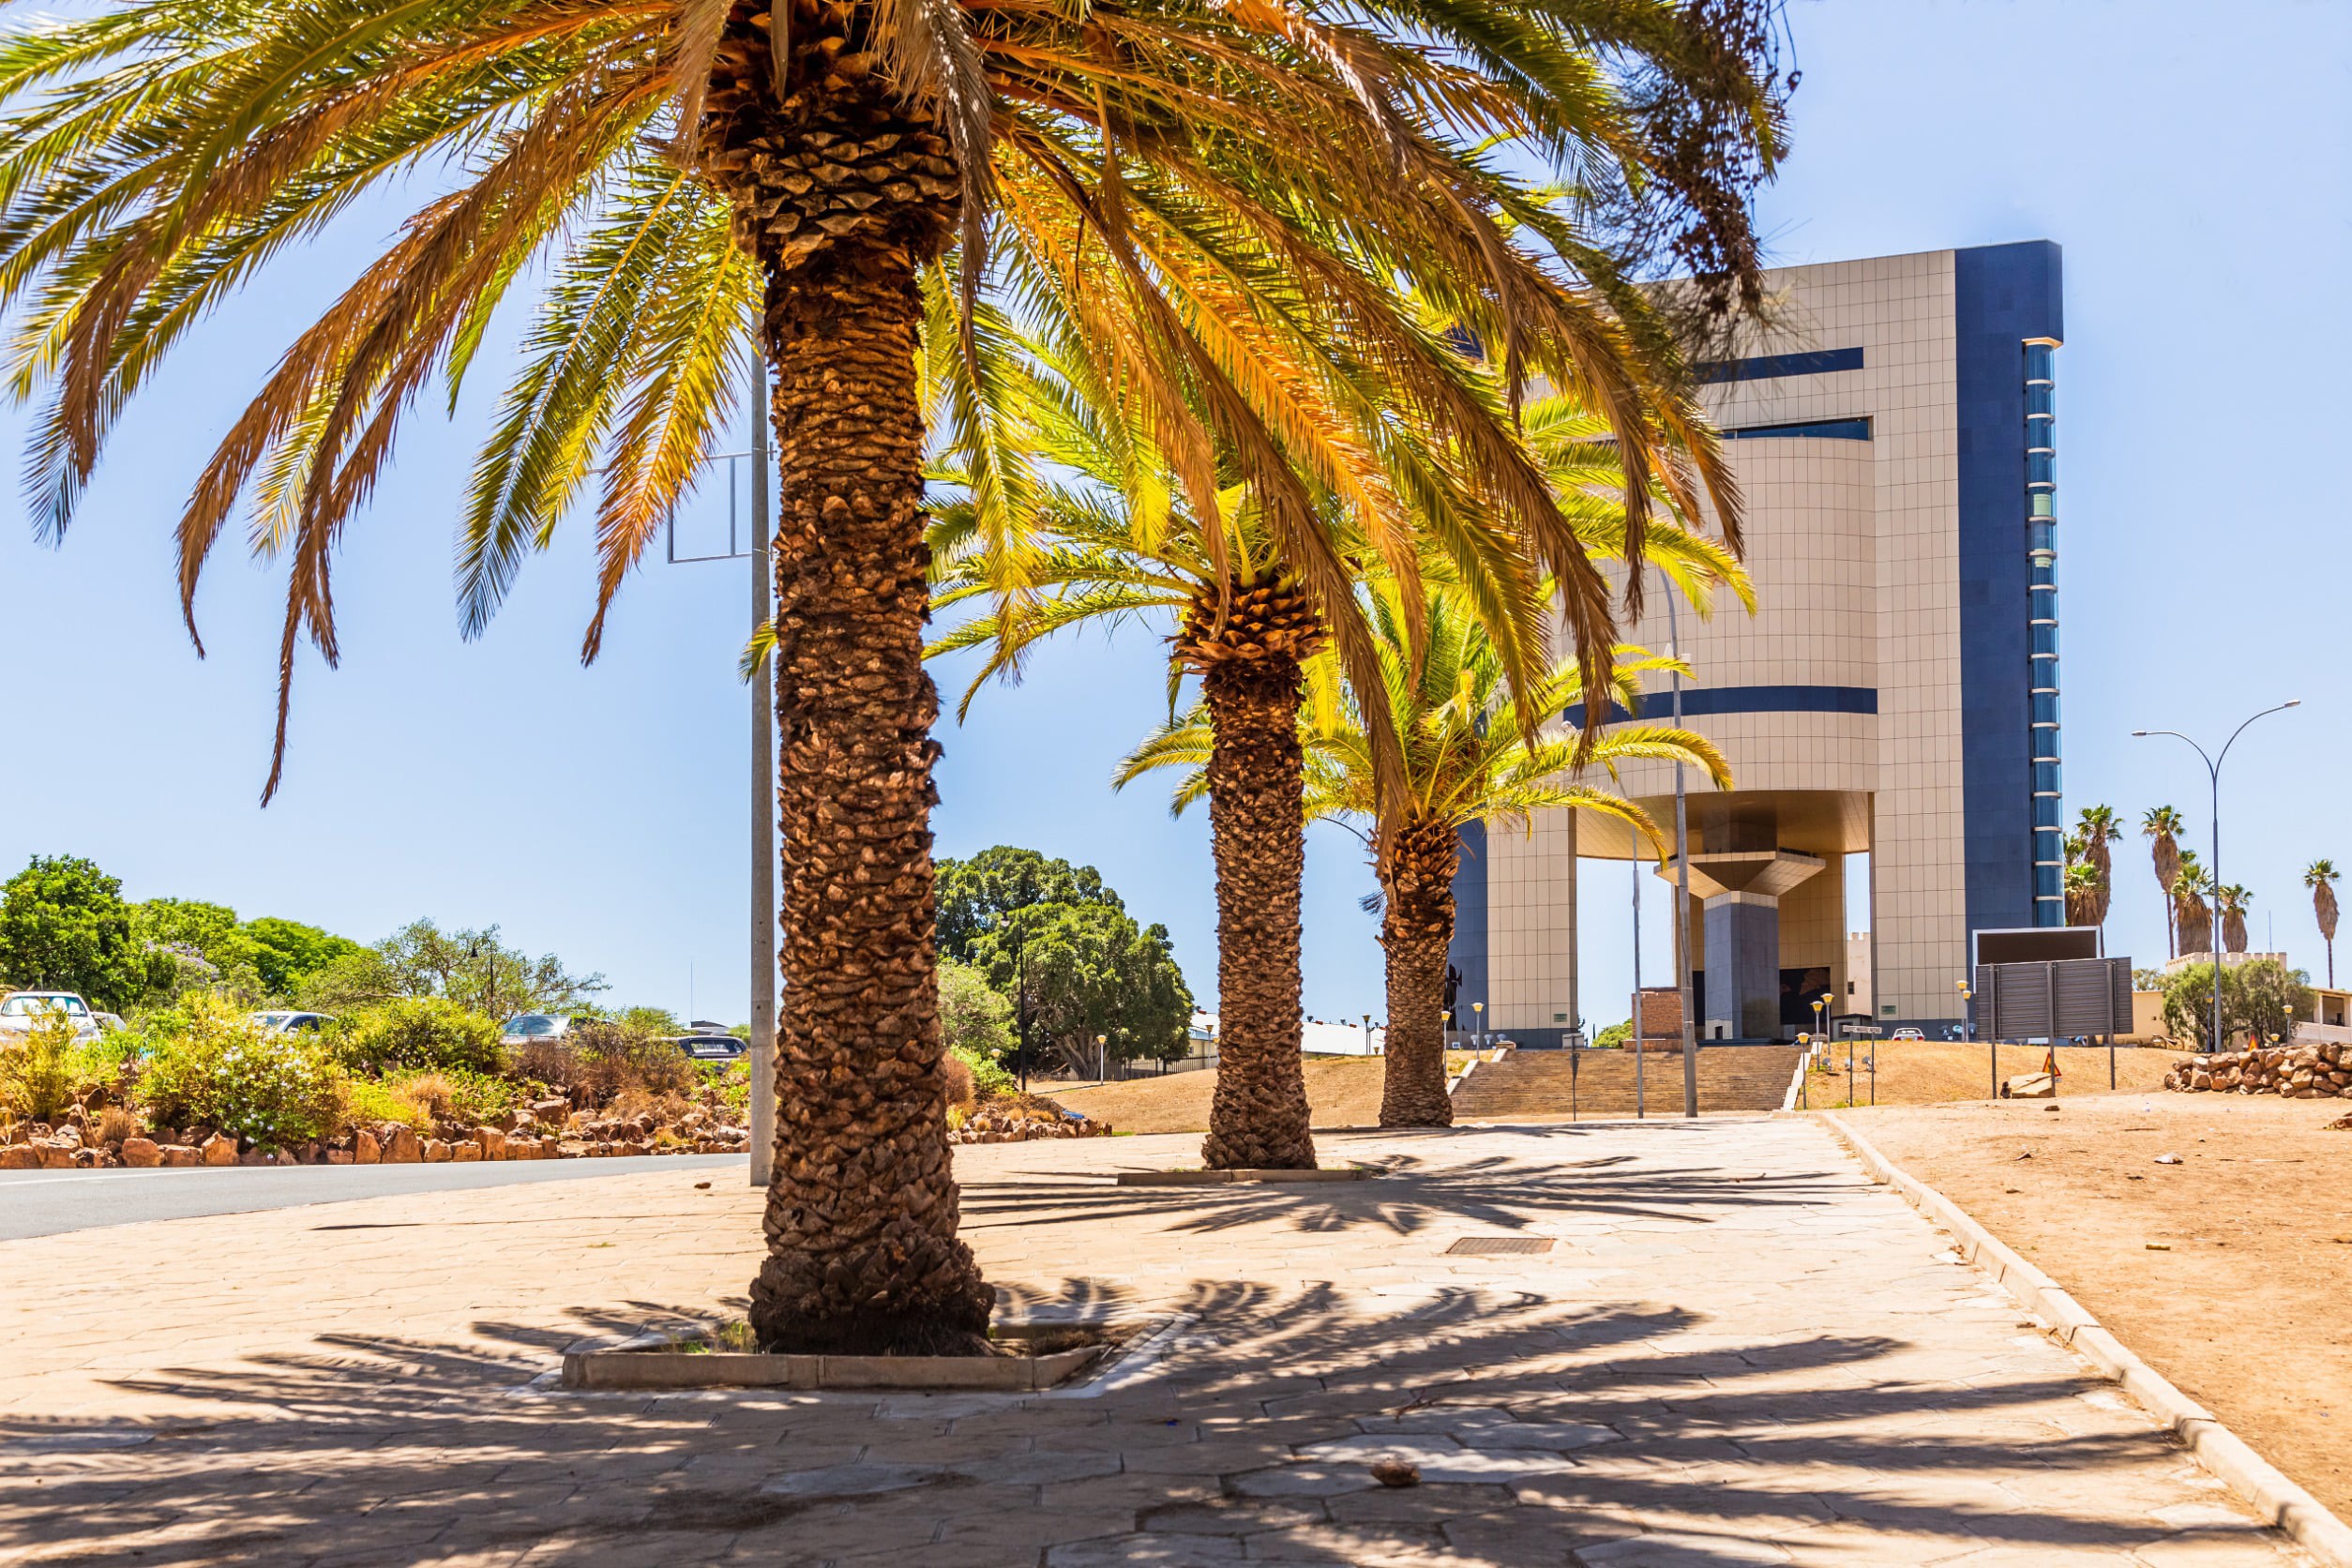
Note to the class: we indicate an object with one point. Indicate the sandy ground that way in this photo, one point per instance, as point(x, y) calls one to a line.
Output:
point(2245, 1309)
point(1340, 1092)
point(1929, 1072)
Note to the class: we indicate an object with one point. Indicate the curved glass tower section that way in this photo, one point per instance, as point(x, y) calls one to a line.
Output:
point(2049, 831)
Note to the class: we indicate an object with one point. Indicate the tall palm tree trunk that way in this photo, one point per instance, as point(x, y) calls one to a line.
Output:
point(838, 193)
point(1248, 649)
point(1416, 932)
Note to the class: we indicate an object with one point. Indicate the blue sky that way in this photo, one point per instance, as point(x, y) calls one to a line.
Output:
point(2192, 160)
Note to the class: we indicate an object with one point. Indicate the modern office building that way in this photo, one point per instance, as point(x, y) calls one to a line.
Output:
point(1894, 695)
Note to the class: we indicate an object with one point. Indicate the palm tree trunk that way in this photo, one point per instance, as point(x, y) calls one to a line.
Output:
point(862, 1214)
point(1416, 933)
point(1258, 1119)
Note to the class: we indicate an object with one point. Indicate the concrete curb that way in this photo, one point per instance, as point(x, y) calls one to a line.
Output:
point(2303, 1519)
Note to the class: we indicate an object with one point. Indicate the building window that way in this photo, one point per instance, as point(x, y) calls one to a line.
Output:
point(2041, 516)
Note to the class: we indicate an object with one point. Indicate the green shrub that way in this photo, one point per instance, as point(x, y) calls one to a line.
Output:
point(987, 1079)
point(221, 1070)
point(733, 1080)
point(423, 1033)
point(453, 1095)
point(614, 1058)
point(37, 1077)
point(369, 1104)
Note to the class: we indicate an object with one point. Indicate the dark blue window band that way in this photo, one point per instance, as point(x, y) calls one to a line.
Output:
point(1701, 701)
point(1767, 367)
point(1819, 430)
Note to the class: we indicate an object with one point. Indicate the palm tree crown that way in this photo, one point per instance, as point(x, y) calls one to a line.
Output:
point(2321, 877)
point(2160, 825)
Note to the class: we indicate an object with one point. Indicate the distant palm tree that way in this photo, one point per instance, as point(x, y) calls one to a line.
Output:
point(2192, 917)
point(2082, 894)
point(2234, 901)
point(2320, 877)
point(2160, 825)
point(2094, 830)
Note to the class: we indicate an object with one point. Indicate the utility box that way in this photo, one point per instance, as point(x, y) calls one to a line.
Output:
point(2054, 1000)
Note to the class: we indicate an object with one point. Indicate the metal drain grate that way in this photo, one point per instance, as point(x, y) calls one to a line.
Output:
point(1493, 1246)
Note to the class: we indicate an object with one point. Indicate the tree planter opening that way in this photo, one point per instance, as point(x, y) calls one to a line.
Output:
point(1026, 1358)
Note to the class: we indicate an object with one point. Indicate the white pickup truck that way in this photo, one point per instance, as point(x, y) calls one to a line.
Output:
point(21, 1010)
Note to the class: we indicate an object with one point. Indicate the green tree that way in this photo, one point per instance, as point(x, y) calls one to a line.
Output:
point(1614, 1035)
point(1193, 187)
point(975, 894)
point(2321, 877)
point(2191, 915)
point(286, 953)
point(2260, 998)
point(63, 927)
point(473, 969)
point(1086, 971)
point(1468, 758)
point(2160, 825)
point(975, 1018)
point(2095, 829)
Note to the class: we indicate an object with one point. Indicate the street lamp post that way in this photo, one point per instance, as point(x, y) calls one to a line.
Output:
point(1102, 1057)
point(2213, 771)
point(1968, 1032)
point(1818, 1010)
point(1805, 1072)
point(1478, 1027)
point(1681, 881)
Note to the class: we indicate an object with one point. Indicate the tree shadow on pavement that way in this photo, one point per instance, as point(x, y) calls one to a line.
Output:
point(1541, 1428)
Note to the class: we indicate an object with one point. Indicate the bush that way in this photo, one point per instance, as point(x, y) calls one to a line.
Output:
point(37, 1078)
point(987, 1079)
point(614, 1059)
point(221, 1070)
point(547, 1061)
point(454, 1095)
point(423, 1033)
point(369, 1104)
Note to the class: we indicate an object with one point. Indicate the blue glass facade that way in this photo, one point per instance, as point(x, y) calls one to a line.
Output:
point(2006, 324)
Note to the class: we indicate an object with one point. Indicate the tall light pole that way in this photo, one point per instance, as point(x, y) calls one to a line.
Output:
point(1968, 1032)
point(1478, 1025)
point(764, 958)
point(1640, 1111)
point(1681, 880)
point(2213, 771)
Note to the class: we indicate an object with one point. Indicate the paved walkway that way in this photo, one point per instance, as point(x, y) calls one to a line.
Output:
point(1736, 1352)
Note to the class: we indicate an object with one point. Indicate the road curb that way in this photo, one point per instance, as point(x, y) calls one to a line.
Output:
point(2304, 1518)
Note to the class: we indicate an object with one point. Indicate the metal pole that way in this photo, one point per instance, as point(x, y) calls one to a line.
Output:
point(764, 957)
point(1682, 884)
point(2213, 931)
point(1640, 1112)
point(1021, 988)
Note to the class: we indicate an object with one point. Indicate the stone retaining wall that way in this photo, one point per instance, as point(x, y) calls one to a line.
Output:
point(2310, 1072)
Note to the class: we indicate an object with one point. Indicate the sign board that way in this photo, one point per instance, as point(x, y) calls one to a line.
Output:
point(2054, 1000)
point(2037, 945)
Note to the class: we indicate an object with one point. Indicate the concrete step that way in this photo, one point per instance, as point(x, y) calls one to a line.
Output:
point(1553, 1085)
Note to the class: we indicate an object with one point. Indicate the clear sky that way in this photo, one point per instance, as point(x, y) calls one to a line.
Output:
point(2190, 157)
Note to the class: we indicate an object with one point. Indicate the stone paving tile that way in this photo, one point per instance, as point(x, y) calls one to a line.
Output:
point(1737, 1352)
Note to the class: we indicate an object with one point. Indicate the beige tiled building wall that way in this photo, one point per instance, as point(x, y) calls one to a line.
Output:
point(1854, 549)
point(1531, 926)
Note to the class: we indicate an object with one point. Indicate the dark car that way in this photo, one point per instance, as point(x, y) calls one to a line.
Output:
point(711, 1047)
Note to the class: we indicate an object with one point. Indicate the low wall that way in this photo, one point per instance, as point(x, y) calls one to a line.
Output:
point(2302, 1072)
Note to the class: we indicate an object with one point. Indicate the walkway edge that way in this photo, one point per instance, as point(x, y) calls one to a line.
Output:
point(2304, 1517)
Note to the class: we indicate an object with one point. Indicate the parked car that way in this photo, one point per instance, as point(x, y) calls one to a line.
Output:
point(524, 1028)
point(21, 1010)
point(1906, 1034)
point(711, 1047)
point(287, 1022)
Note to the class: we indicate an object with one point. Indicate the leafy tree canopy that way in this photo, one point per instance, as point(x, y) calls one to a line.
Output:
point(2262, 996)
point(975, 1018)
point(277, 955)
point(473, 969)
point(974, 895)
point(63, 927)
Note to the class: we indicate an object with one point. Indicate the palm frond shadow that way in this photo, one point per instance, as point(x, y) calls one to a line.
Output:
point(389, 1449)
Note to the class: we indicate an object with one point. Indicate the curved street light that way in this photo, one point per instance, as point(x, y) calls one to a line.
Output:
point(2213, 771)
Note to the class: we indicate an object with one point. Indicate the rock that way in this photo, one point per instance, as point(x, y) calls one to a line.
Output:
point(141, 1152)
point(2030, 1086)
point(338, 1156)
point(1396, 1473)
point(465, 1150)
point(178, 1154)
point(221, 1149)
point(19, 1156)
point(55, 1155)
point(493, 1142)
point(405, 1148)
point(553, 1111)
point(2168, 1159)
point(365, 1150)
point(570, 1148)
point(436, 1151)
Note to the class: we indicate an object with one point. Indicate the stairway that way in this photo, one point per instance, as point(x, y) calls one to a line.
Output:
point(1533, 1085)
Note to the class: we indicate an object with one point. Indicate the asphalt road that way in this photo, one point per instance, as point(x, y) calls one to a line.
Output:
point(49, 1202)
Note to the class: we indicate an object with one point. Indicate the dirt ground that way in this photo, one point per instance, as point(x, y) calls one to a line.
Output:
point(1342, 1092)
point(2230, 1272)
point(1930, 1072)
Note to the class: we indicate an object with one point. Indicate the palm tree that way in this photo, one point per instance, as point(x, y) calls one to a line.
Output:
point(2320, 877)
point(2192, 916)
point(1468, 757)
point(2082, 894)
point(2160, 825)
point(1192, 181)
point(2234, 901)
point(1106, 534)
point(2094, 830)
